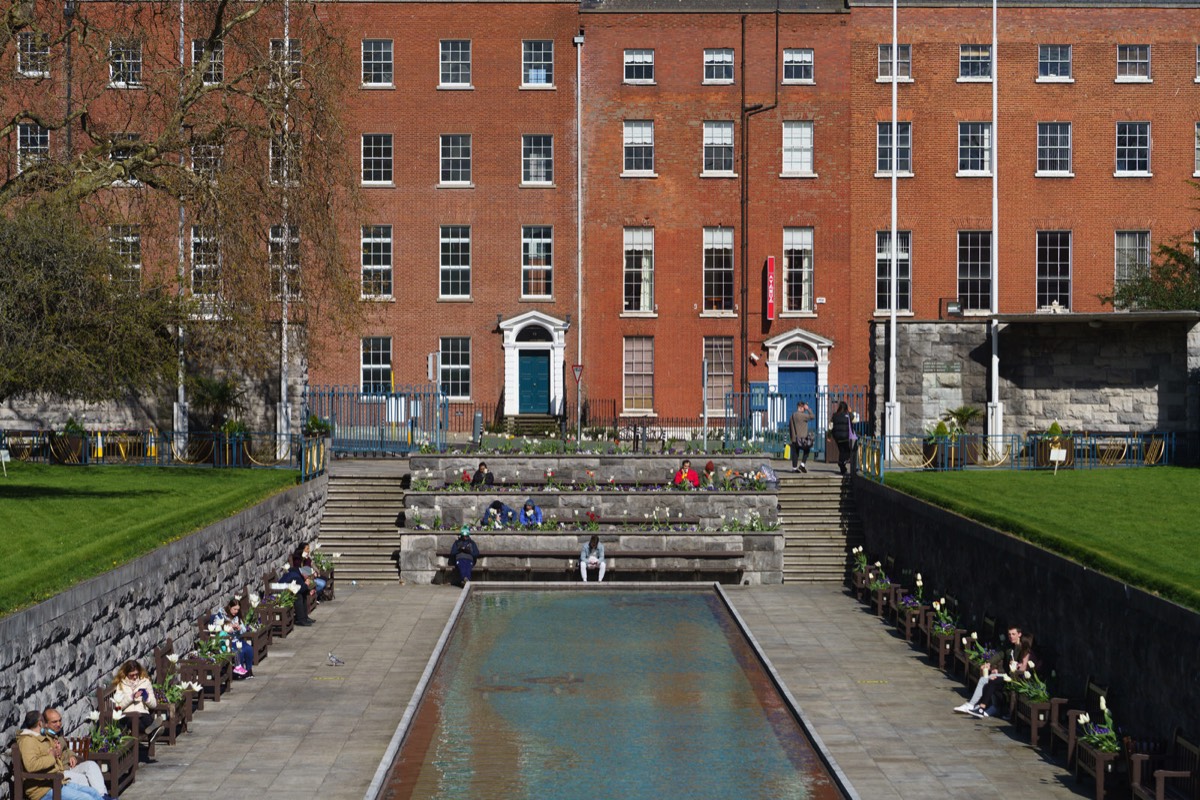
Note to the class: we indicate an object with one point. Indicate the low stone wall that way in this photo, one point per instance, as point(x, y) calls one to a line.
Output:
point(568, 468)
point(57, 652)
point(713, 509)
point(762, 563)
point(1143, 647)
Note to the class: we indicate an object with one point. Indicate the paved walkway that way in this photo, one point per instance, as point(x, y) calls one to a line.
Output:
point(307, 729)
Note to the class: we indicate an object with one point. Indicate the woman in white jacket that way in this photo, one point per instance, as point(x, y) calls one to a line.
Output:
point(133, 694)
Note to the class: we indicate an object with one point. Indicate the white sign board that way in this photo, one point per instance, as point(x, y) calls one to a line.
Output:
point(1058, 454)
point(5, 455)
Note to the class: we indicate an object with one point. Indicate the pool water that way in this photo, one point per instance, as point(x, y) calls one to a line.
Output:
point(598, 694)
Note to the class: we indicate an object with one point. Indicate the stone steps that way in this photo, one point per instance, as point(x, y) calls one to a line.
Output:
point(820, 524)
point(359, 522)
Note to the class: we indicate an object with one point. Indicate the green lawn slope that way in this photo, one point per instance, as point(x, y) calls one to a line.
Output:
point(1139, 525)
point(63, 525)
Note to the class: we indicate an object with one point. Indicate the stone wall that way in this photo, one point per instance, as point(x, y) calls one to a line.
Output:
point(1145, 648)
point(713, 509)
point(568, 468)
point(762, 563)
point(58, 651)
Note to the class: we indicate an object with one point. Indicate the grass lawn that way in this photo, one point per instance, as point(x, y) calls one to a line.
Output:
point(1138, 525)
point(62, 525)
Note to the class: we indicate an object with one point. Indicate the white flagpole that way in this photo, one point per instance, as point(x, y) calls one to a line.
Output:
point(995, 415)
point(892, 407)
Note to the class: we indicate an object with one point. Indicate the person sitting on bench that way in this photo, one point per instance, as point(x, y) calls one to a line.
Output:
point(686, 477)
point(498, 515)
point(531, 514)
point(40, 752)
point(463, 554)
point(591, 558)
point(482, 478)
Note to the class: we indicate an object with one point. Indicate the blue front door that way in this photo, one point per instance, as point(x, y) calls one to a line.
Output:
point(798, 383)
point(534, 371)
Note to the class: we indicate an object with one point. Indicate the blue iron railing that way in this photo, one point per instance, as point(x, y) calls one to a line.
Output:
point(762, 417)
point(386, 423)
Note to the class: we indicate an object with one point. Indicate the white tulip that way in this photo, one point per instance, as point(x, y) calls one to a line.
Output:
point(337, 555)
point(254, 599)
point(1084, 719)
point(1103, 703)
point(918, 579)
point(173, 658)
point(1008, 678)
point(1031, 664)
point(1012, 666)
point(94, 716)
point(964, 641)
point(1027, 675)
point(878, 564)
point(118, 715)
point(294, 587)
point(936, 606)
point(974, 636)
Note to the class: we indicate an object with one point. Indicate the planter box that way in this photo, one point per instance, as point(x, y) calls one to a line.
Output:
point(1043, 448)
point(943, 645)
point(214, 678)
point(1097, 763)
point(281, 621)
point(66, 448)
point(908, 620)
point(1035, 715)
point(119, 766)
point(943, 455)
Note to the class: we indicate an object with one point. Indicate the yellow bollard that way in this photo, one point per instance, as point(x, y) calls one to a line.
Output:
point(787, 452)
point(153, 448)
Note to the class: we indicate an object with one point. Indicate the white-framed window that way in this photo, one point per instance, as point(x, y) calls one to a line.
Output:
point(883, 150)
point(455, 55)
point(1054, 62)
point(455, 378)
point(455, 261)
point(1132, 256)
point(125, 63)
point(798, 65)
point(376, 260)
point(1198, 63)
point(456, 159)
point(378, 65)
point(639, 66)
point(638, 390)
point(718, 147)
point(125, 243)
point(284, 159)
point(377, 158)
point(974, 62)
point(1054, 269)
point(214, 70)
point(975, 270)
point(718, 269)
point(718, 359)
point(974, 148)
point(1133, 148)
point(33, 145)
point(537, 159)
point(1133, 63)
point(283, 245)
point(376, 365)
point(206, 261)
point(1054, 148)
point(206, 159)
point(639, 147)
point(33, 55)
point(287, 59)
point(537, 62)
point(903, 62)
point(639, 269)
point(798, 147)
point(718, 65)
point(798, 269)
point(1196, 141)
point(122, 147)
point(537, 261)
point(883, 271)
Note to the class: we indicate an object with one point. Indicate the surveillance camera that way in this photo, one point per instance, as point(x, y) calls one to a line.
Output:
point(754, 358)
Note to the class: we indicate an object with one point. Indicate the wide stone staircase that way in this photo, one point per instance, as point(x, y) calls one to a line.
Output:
point(360, 518)
point(819, 524)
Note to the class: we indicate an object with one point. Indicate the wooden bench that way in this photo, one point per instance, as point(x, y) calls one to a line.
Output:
point(214, 678)
point(1178, 777)
point(962, 656)
point(175, 719)
point(613, 557)
point(279, 619)
point(1064, 721)
point(21, 776)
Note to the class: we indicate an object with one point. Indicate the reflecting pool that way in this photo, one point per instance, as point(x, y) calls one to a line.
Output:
point(603, 694)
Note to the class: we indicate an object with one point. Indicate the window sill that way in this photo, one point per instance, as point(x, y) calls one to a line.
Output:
point(377, 298)
point(797, 174)
point(883, 312)
point(378, 185)
point(641, 413)
point(135, 86)
point(455, 185)
point(639, 174)
point(1054, 174)
point(718, 175)
point(797, 315)
point(717, 83)
point(455, 87)
point(718, 315)
point(125, 184)
point(537, 87)
point(1052, 79)
point(898, 174)
point(377, 86)
point(639, 315)
point(898, 80)
point(36, 75)
point(799, 82)
point(972, 174)
point(453, 299)
point(536, 298)
point(1132, 79)
point(976, 312)
point(630, 82)
point(961, 79)
point(1119, 174)
point(1060, 309)
point(1196, 174)
point(537, 185)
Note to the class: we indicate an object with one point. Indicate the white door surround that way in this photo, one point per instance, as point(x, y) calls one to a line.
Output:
point(511, 329)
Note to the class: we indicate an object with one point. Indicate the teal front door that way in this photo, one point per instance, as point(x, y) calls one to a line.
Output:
point(534, 395)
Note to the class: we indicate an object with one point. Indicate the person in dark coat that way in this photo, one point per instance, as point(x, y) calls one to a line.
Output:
point(482, 477)
point(498, 515)
point(843, 432)
point(464, 553)
point(294, 575)
point(800, 435)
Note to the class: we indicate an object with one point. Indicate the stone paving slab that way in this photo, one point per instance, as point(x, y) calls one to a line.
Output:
point(309, 730)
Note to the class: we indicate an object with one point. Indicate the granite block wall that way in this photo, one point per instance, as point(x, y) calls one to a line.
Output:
point(58, 651)
point(568, 468)
point(1145, 648)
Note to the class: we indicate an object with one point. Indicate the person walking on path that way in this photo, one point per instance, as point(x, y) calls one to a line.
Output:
point(801, 435)
point(843, 434)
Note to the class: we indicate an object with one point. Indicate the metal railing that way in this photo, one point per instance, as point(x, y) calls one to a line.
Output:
point(384, 423)
point(761, 417)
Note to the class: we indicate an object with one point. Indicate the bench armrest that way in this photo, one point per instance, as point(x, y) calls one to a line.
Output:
point(1161, 774)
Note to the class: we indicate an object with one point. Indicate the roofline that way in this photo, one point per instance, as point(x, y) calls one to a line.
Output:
point(1103, 318)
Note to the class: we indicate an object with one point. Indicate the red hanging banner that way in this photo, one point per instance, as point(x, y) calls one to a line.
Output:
point(770, 288)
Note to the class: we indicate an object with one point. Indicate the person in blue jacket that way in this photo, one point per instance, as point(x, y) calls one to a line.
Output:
point(530, 513)
point(464, 553)
point(498, 515)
